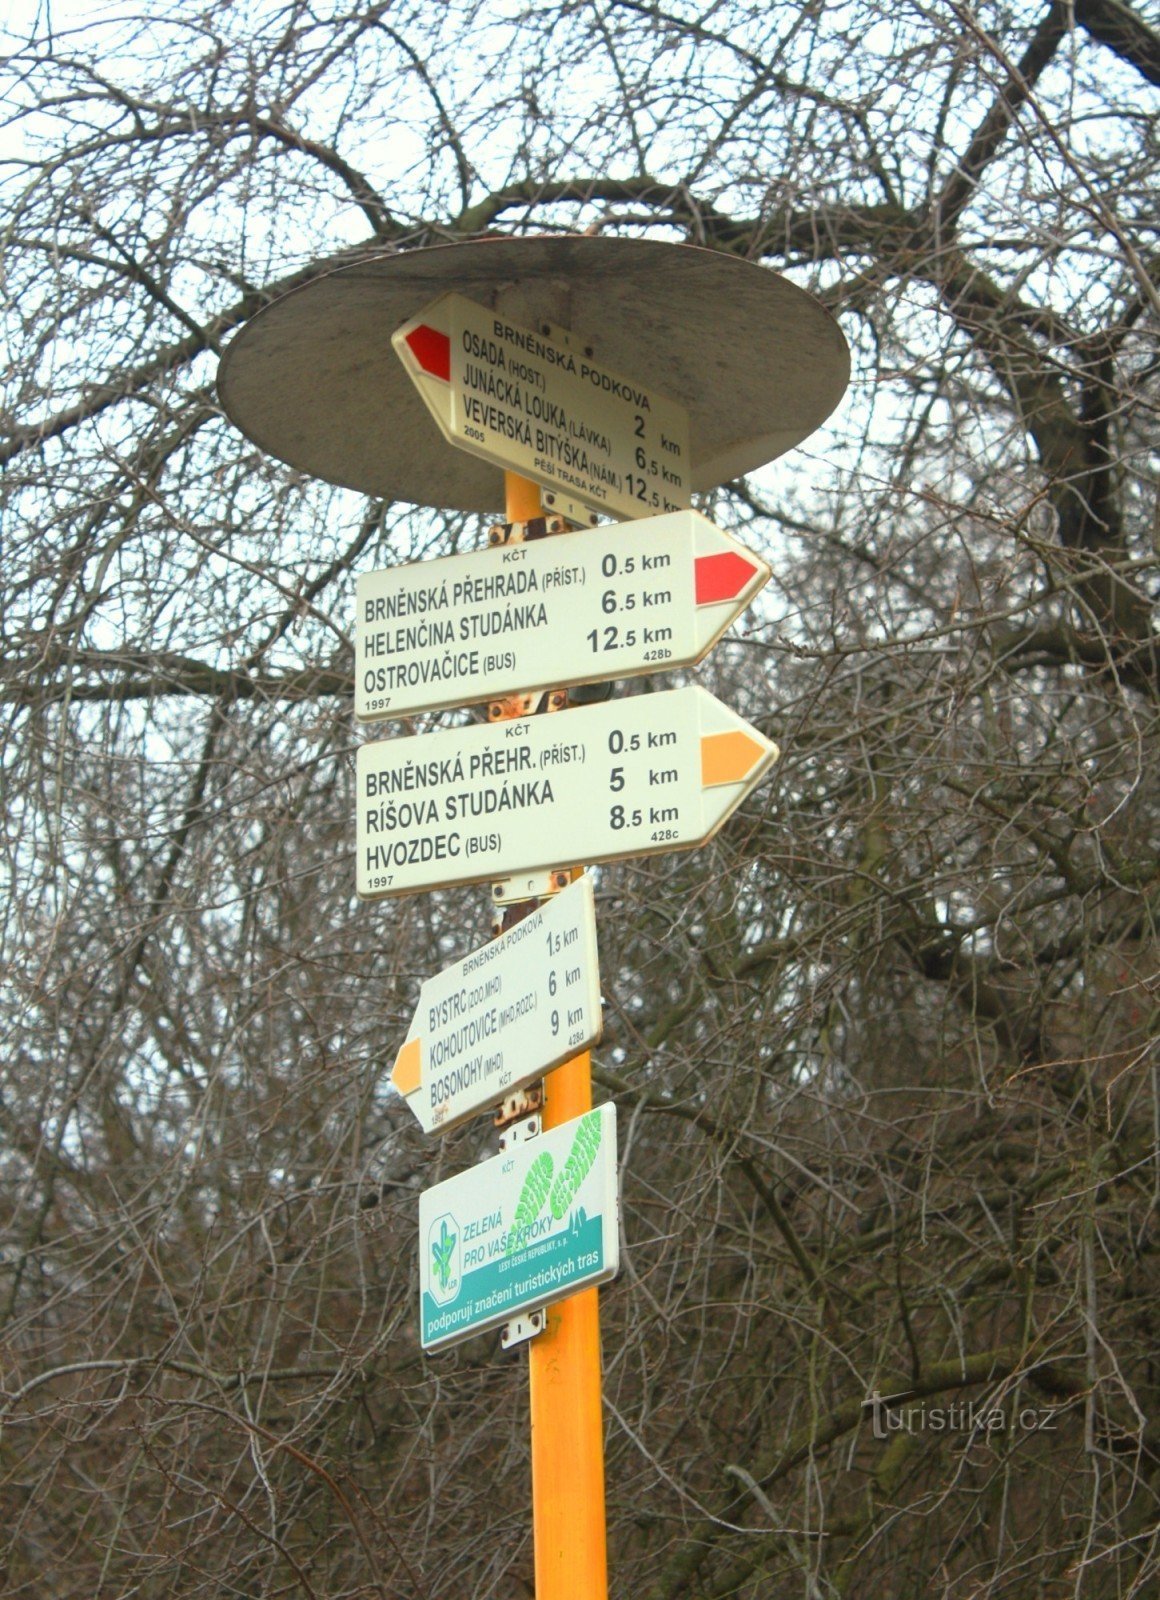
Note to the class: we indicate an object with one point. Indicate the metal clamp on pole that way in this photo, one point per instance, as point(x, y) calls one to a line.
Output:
point(524, 532)
point(527, 1124)
point(529, 886)
point(518, 1120)
point(522, 1328)
point(518, 1105)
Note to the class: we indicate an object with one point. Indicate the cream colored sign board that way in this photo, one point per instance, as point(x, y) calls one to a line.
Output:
point(538, 404)
point(612, 602)
point(632, 777)
point(504, 1015)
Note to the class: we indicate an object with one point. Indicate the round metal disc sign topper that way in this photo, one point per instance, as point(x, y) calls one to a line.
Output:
point(314, 379)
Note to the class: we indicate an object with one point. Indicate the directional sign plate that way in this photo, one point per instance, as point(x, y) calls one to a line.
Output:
point(534, 402)
point(523, 1229)
point(629, 777)
point(612, 602)
point(505, 1014)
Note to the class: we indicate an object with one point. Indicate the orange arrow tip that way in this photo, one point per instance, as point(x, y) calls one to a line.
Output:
point(731, 757)
point(407, 1072)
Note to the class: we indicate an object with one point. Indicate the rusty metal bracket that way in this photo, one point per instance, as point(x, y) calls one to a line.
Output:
point(519, 1104)
point(524, 532)
point(526, 705)
point(512, 706)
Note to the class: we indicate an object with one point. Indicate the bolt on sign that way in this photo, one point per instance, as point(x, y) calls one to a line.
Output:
point(538, 403)
point(504, 1015)
point(639, 776)
point(529, 1226)
point(630, 598)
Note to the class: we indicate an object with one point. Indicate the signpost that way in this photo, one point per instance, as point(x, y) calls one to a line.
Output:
point(500, 1018)
point(631, 598)
point(633, 777)
point(758, 365)
point(535, 402)
point(536, 1223)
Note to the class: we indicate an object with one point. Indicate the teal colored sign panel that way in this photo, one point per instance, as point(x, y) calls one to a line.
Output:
point(520, 1230)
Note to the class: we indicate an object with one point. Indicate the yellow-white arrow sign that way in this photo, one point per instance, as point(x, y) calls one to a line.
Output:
point(631, 777)
point(504, 1015)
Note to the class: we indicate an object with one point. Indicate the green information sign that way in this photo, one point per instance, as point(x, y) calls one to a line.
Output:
point(520, 1230)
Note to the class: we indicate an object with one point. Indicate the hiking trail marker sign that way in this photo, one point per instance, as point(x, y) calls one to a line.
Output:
point(629, 598)
point(534, 401)
point(314, 379)
point(659, 772)
point(529, 1226)
point(504, 1015)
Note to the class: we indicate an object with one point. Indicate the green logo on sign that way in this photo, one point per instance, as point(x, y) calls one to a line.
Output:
point(539, 1188)
point(441, 1251)
point(576, 1168)
point(443, 1243)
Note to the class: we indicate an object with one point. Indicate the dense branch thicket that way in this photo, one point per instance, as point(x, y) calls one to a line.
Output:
point(885, 1051)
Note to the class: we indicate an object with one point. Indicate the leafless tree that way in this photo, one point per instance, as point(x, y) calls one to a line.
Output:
point(885, 1051)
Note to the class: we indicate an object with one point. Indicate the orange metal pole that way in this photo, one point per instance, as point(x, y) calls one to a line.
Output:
point(521, 498)
point(567, 1427)
point(564, 1361)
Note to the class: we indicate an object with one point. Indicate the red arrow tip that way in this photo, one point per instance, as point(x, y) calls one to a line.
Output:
point(721, 577)
point(432, 350)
